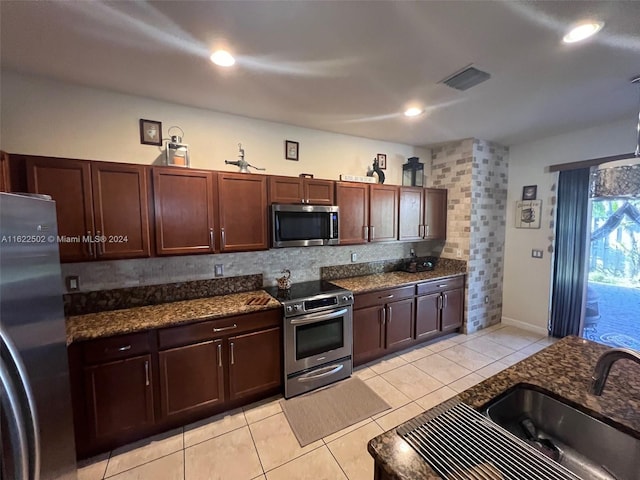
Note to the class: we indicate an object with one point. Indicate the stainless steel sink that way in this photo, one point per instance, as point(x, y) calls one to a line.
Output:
point(588, 447)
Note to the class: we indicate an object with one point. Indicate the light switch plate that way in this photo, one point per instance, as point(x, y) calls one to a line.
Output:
point(354, 256)
point(536, 253)
point(73, 283)
point(218, 269)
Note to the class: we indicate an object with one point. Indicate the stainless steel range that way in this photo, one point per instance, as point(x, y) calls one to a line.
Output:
point(318, 335)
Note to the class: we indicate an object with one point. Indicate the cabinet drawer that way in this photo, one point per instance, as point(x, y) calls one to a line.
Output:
point(383, 296)
point(439, 285)
point(115, 348)
point(198, 332)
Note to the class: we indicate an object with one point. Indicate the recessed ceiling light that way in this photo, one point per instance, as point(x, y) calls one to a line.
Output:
point(413, 112)
point(582, 31)
point(222, 58)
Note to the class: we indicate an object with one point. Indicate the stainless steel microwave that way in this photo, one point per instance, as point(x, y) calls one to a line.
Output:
point(304, 225)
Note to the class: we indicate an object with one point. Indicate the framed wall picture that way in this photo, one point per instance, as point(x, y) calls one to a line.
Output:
point(529, 192)
point(150, 132)
point(382, 161)
point(291, 150)
point(528, 213)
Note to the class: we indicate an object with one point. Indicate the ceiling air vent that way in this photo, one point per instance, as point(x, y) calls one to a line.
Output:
point(466, 78)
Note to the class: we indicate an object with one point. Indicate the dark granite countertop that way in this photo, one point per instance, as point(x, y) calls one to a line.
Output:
point(117, 322)
point(379, 281)
point(563, 370)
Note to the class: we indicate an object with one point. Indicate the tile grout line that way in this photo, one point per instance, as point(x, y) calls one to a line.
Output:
point(253, 440)
point(337, 462)
point(295, 458)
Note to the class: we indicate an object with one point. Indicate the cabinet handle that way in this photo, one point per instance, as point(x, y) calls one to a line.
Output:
point(125, 348)
point(373, 232)
point(233, 358)
point(365, 232)
point(442, 286)
point(89, 243)
point(224, 238)
point(235, 325)
point(219, 354)
point(445, 300)
point(428, 231)
point(146, 372)
point(440, 302)
point(384, 316)
point(100, 246)
point(387, 296)
point(390, 313)
point(211, 238)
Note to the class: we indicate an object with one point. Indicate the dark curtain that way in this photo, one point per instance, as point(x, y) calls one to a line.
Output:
point(570, 252)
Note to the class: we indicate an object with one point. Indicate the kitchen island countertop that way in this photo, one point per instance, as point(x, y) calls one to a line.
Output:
point(128, 320)
point(564, 370)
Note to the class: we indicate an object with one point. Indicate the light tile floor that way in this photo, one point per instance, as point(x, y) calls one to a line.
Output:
point(256, 442)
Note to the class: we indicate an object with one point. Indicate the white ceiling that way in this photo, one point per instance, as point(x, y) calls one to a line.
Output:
point(346, 66)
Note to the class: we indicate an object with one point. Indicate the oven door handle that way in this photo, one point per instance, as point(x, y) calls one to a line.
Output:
point(326, 371)
point(315, 317)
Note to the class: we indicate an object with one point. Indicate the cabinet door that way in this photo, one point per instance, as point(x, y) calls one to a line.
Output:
point(368, 334)
point(400, 320)
point(383, 213)
point(191, 378)
point(4, 172)
point(411, 213)
point(452, 309)
point(119, 396)
point(255, 363)
point(353, 201)
point(285, 190)
point(120, 205)
point(435, 214)
point(319, 192)
point(184, 210)
point(69, 184)
point(427, 316)
point(243, 212)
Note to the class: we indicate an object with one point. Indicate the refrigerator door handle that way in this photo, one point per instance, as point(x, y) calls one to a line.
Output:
point(7, 345)
point(17, 434)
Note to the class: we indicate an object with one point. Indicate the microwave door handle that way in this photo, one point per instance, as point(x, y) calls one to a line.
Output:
point(331, 226)
point(314, 317)
point(18, 444)
point(34, 436)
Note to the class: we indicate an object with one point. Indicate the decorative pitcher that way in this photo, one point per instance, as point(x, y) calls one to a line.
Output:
point(284, 282)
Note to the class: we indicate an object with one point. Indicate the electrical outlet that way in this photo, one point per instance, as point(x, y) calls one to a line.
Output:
point(412, 252)
point(218, 269)
point(536, 253)
point(354, 256)
point(73, 283)
point(459, 253)
point(486, 299)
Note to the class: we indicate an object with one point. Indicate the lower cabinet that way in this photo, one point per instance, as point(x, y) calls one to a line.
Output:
point(393, 319)
point(131, 386)
point(382, 322)
point(119, 396)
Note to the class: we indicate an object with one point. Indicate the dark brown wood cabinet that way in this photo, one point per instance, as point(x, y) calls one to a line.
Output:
point(119, 397)
point(435, 214)
point(383, 213)
point(301, 190)
point(243, 212)
point(191, 378)
point(439, 307)
point(353, 201)
point(255, 363)
point(102, 207)
point(423, 214)
point(4, 172)
point(185, 209)
point(383, 321)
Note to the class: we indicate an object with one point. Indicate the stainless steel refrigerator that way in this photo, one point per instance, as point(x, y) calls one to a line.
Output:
point(36, 424)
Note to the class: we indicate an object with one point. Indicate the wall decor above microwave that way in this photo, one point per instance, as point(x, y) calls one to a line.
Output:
point(303, 225)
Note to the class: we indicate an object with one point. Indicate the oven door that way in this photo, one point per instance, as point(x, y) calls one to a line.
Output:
point(317, 338)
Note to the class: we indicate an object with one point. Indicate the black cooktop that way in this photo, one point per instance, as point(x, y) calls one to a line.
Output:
point(303, 290)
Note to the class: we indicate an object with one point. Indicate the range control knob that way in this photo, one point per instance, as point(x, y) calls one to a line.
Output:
point(289, 309)
point(296, 307)
point(347, 298)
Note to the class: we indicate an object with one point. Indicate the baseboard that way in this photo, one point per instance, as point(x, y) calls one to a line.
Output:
point(524, 326)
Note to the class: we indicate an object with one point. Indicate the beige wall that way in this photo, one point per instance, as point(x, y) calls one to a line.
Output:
point(45, 117)
point(527, 281)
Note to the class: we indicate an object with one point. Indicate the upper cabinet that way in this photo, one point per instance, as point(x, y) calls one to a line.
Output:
point(368, 213)
point(102, 205)
point(383, 213)
point(353, 201)
point(301, 190)
point(185, 211)
point(423, 214)
point(243, 212)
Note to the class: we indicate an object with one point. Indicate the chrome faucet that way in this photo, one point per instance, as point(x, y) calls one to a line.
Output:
point(604, 363)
